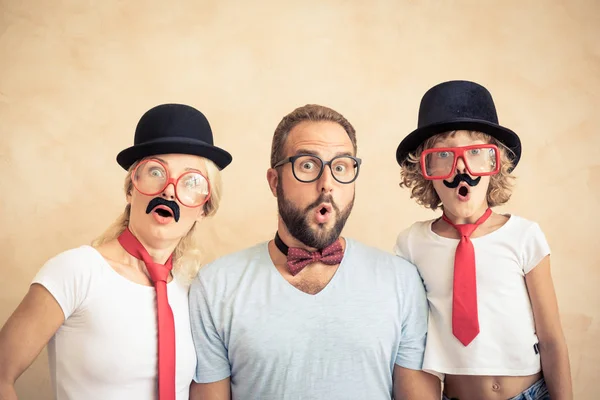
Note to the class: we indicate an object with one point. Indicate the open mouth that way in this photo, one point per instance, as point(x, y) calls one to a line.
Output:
point(323, 213)
point(163, 211)
point(462, 192)
point(324, 209)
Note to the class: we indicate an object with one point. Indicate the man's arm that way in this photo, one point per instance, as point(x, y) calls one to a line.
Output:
point(220, 390)
point(553, 347)
point(211, 380)
point(412, 384)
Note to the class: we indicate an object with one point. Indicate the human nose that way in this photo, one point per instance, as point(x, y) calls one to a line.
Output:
point(326, 180)
point(169, 190)
point(460, 165)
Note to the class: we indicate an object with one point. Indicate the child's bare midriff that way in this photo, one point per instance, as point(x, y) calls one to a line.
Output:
point(472, 387)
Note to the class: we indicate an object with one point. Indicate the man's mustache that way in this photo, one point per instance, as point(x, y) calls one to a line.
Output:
point(323, 198)
point(159, 201)
point(462, 178)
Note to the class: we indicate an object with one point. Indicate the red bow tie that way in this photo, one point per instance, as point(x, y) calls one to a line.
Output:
point(298, 259)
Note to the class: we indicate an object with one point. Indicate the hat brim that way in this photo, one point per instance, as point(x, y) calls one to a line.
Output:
point(504, 135)
point(129, 156)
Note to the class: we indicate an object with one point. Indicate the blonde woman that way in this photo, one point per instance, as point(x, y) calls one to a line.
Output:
point(494, 328)
point(115, 314)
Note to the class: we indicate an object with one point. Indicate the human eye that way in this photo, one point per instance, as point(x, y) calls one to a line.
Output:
point(156, 172)
point(343, 165)
point(195, 182)
point(340, 168)
point(192, 181)
point(307, 163)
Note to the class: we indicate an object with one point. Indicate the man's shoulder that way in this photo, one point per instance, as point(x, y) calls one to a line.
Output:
point(378, 258)
point(233, 263)
point(360, 249)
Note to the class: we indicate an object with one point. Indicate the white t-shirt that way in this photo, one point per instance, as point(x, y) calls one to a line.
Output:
point(505, 344)
point(107, 345)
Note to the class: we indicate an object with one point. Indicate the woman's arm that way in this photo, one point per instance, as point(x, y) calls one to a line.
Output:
point(25, 334)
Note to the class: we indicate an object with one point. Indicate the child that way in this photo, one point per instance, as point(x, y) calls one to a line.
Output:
point(494, 329)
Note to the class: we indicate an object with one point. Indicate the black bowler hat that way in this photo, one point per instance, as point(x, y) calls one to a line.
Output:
point(458, 105)
point(173, 128)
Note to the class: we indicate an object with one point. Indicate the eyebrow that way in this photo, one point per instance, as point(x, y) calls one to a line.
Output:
point(313, 153)
point(167, 164)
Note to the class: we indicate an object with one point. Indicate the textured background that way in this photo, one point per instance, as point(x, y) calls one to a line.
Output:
point(75, 76)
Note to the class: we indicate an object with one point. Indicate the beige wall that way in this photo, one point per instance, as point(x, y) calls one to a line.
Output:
point(75, 76)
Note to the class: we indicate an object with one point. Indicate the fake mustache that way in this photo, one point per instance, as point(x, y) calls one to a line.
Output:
point(159, 201)
point(462, 178)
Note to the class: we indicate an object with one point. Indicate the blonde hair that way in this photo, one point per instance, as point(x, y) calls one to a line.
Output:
point(422, 190)
point(187, 257)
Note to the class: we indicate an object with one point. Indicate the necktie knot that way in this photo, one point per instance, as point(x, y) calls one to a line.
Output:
point(466, 230)
point(158, 272)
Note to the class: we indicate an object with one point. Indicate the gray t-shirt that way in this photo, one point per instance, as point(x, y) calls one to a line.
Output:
point(277, 342)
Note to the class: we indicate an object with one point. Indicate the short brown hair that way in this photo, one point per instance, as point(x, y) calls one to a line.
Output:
point(309, 112)
point(422, 190)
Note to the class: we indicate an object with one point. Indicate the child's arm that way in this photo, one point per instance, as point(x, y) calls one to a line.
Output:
point(552, 346)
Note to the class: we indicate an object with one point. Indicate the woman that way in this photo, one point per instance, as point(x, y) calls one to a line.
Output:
point(115, 314)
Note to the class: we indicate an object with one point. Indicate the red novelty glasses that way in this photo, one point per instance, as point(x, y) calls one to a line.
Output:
point(151, 177)
point(479, 160)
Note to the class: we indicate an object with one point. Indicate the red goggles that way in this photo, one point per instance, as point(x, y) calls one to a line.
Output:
point(479, 160)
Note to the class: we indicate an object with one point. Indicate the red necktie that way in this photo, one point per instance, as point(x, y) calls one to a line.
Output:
point(166, 325)
point(298, 259)
point(465, 321)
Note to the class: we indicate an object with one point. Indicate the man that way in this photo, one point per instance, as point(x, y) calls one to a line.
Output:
point(334, 319)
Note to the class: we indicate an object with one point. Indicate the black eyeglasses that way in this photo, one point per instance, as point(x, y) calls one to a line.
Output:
point(309, 168)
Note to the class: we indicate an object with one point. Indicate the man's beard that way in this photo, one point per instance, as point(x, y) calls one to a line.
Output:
point(297, 221)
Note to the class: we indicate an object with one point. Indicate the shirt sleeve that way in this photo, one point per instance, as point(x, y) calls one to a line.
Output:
point(535, 248)
point(211, 352)
point(415, 313)
point(67, 277)
point(401, 248)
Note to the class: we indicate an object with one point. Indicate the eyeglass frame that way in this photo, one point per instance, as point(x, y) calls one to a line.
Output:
point(293, 159)
point(459, 153)
point(170, 180)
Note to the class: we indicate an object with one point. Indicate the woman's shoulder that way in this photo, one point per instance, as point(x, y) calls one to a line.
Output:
point(82, 260)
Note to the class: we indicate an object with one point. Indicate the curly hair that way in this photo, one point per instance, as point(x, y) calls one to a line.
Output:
point(187, 257)
point(422, 190)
